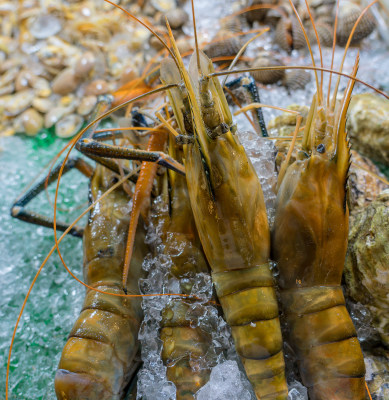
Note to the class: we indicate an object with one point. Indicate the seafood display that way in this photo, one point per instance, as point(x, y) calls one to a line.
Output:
point(232, 230)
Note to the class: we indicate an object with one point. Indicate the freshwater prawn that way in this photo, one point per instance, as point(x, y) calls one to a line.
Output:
point(202, 162)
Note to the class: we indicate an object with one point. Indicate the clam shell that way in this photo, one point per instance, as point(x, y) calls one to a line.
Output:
point(366, 266)
point(54, 115)
point(289, 35)
point(163, 5)
point(325, 33)
point(68, 126)
point(9, 76)
point(23, 80)
point(45, 26)
point(42, 87)
point(32, 122)
point(257, 15)
point(348, 14)
point(65, 82)
point(84, 65)
point(364, 187)
point(223, 45)
point(267, 77)
point(42, 105)
point(86, 105)
point(231, 25)
point(97, 87)
point(296, 79)
point(18, 102)
point(8, 89)
point(176, 17)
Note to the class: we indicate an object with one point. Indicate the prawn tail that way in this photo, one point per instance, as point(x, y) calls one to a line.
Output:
point(184, 347)
point(250, 307)
point(325, 342)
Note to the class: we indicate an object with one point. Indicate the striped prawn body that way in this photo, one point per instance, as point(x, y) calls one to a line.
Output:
point(309, 243)
point(230, 215)
point(99, 358)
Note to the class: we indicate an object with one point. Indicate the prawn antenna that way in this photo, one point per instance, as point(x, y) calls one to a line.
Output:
point(195, 36)
point(333, 51)
point(309, 47)
point(364, 11)
point(318, 43)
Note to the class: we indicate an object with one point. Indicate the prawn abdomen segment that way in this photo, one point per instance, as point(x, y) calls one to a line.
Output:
point(325, 342)
point(250, 307)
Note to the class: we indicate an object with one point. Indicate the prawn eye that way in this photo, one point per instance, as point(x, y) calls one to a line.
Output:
point(321, 148)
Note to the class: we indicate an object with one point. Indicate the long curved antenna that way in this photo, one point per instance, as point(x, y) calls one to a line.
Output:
point(318, 43)
point(195, 36)
point(257, 7)
point(364, 11)
point(333, 52)
point(310, 68)
point(309, 47)
point(240, 52)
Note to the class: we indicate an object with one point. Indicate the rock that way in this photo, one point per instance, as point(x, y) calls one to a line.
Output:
point(364, 186)
point(367, 261)
point(368, 126)
point(377, 373)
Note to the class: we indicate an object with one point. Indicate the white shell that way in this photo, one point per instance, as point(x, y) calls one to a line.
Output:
point(68, 126)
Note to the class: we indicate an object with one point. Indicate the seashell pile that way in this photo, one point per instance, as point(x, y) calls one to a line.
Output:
point(57, 59)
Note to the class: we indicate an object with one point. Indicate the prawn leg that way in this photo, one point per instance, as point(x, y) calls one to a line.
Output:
point(18, 209)
point(247, 83)
point(95, 148)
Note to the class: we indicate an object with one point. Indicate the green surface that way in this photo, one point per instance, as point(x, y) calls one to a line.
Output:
point(56, 298)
